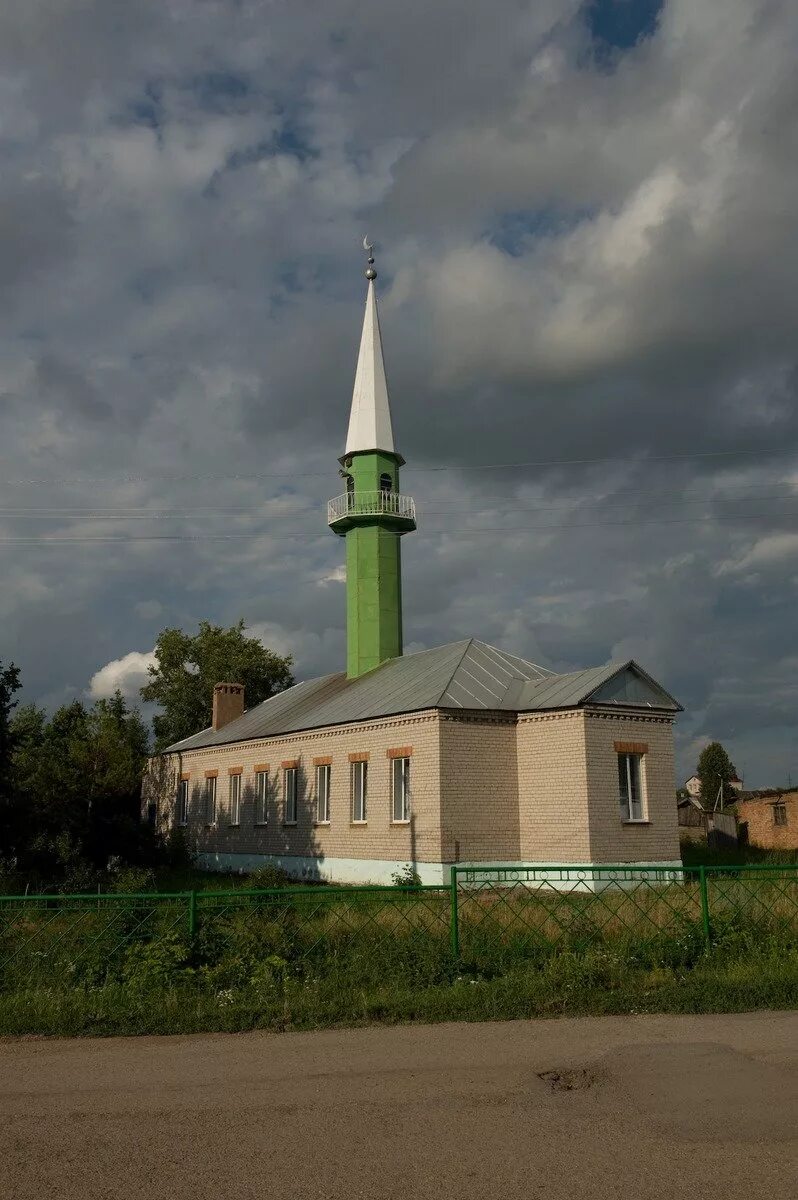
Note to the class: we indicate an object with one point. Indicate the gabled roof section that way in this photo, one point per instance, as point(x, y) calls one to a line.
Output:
point(615, 684)
point(465, 675)
point(370, 418)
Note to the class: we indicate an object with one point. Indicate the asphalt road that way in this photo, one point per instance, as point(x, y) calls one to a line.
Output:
point(630, 1108)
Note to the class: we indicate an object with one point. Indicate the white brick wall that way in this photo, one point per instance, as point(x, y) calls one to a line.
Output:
point(484, 788)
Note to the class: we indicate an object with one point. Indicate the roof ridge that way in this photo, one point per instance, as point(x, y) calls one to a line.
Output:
point(467, 642)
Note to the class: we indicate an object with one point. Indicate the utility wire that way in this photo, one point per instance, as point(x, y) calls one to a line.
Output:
point(312, 508)
point(464, 467)
point(304, 535)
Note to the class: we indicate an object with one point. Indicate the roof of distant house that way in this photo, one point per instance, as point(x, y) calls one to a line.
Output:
point(465, 675)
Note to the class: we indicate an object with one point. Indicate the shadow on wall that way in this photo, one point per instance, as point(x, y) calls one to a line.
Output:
point(277, 811)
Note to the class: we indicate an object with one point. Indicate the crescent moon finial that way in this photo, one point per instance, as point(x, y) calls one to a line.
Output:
point(371, 274)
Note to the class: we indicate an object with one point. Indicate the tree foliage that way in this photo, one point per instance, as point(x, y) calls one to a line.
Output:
point(189, 666)
point(75, 783)
point(9, 684)
point(715, 771)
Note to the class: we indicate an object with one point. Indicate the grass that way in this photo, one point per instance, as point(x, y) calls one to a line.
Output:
point(309, 958)
point(569, 984)
point(697, 854)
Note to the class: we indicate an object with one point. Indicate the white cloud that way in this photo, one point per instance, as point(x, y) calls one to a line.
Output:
point(126, 674)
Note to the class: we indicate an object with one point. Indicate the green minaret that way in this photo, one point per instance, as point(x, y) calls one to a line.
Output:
point(371, 514)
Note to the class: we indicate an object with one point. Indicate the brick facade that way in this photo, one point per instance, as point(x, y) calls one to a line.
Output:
point(758, 813)
point(485, 787)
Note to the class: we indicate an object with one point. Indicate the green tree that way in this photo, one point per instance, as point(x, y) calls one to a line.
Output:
point(9, 684)
point(188, 667)
point(715, 771)
point(77, 782)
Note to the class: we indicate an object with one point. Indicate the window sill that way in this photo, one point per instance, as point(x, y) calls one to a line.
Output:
point(234, 825)
point(261, 824)
point(404, 822)
point(357, 824)
point(289, 824)
point(635, 821)
point(318, 823)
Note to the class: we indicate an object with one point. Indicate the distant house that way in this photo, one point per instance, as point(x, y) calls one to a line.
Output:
point(769, 818)
point(699, 824)
point(693, 785)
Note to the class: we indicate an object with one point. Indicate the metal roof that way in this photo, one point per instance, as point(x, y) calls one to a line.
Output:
point(462, 675)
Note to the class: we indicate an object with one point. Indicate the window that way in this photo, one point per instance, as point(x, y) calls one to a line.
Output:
point(400, 787)
point(289, 795)
point(629, 789)
point(235, 799)
point(182, 802)
point(323, 793)
point(210, 800)
point(779, 814)
point(359, 787)
point(386, 483)
point(261, 797)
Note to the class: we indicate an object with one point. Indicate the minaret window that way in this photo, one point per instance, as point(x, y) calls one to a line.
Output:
point(386, 483)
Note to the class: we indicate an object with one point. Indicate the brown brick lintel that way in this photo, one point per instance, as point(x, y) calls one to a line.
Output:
point(400, 752)
point(631, 747)
point(235, 770)
point(260, 767)
point(359, 756)
point(324, 760)
point(289, 763)
point(184, 778)
point(211, 774)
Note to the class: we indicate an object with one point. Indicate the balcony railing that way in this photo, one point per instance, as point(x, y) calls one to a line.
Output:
point(371, 504)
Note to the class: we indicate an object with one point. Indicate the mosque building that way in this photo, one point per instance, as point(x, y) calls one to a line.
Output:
point(459, 754)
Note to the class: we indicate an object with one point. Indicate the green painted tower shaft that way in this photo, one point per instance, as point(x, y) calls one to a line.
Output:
point(373, 598)
point(373, 564)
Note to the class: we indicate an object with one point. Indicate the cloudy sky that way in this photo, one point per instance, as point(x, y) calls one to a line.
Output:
point(586, 228)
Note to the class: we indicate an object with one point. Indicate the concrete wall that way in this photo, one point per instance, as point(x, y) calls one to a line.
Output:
point(479, 788)
point(757, 813)
point(656, 838)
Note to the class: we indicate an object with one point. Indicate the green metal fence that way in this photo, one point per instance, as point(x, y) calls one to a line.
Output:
point(485, 919)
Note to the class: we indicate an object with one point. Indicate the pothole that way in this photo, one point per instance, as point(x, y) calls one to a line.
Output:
point(576, 1079)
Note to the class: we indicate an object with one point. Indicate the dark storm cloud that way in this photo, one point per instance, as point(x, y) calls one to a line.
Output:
point(584, 253)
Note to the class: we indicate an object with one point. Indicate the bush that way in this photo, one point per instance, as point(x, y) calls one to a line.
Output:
point(133, 880)
point(157, 964)
point(408, 876)
point(270, 876)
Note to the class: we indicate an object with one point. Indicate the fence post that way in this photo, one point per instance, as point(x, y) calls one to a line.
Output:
point(702, 883)
point(192, 915)
point(454, 921)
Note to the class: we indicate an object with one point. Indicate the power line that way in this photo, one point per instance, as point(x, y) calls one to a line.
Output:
point(463, 467)
point(312, 507)
point(300, 535)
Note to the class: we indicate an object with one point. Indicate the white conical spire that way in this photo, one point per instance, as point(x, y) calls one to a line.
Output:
point(370, 418)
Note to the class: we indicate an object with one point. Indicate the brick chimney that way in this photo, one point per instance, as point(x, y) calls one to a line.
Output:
point(228, 703)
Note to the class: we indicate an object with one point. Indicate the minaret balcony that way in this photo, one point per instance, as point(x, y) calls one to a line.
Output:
point(359, 508)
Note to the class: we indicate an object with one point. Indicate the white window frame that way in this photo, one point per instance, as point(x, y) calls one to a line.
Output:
point(400, 791)
point(261, 797)
point(210, 800)
point(235, 799)
point(182, 803)
point(323, 781)
point(289, 795)
point(633, 808)
point(359, 776)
